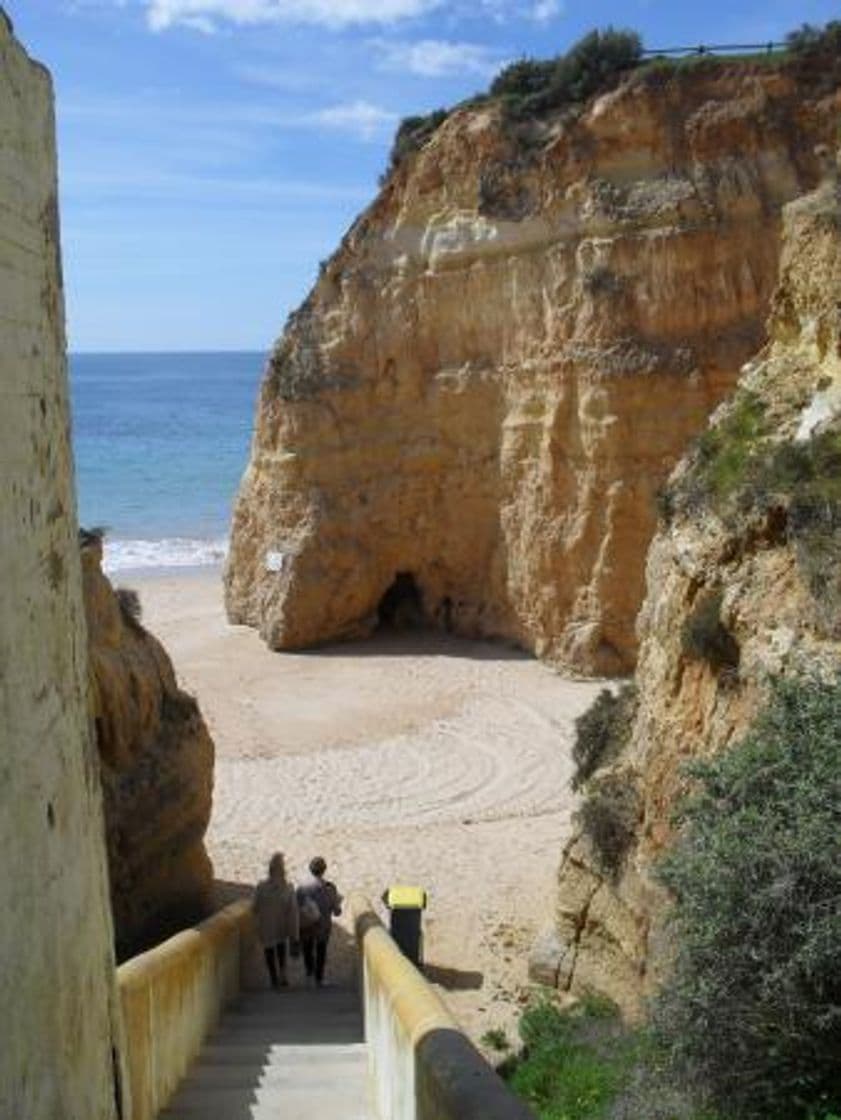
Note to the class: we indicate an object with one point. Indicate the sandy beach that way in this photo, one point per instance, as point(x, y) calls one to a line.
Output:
point(408, 758)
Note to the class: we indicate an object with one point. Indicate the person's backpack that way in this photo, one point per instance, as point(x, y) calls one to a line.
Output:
point(309, 914)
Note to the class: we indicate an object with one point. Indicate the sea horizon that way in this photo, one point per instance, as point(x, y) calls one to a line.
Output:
point(161, 439)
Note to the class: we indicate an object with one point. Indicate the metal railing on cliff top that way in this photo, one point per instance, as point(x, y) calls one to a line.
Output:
point(718, 48)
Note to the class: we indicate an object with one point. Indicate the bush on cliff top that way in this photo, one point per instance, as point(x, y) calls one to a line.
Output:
point(808, 39)
point(530, 87)
point(753, 1009)
point(593, 65)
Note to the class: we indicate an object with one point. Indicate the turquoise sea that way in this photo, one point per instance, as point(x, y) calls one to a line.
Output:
point(161, 441)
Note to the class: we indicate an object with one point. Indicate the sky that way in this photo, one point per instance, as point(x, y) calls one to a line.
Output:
point(213, 152)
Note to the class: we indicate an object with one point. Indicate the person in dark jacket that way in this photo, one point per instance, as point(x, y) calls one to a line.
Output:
point(318, 903)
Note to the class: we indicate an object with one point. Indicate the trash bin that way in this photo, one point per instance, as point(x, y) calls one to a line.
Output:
point(406, 906)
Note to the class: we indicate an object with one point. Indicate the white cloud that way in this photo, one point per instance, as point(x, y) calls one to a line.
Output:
point(330, 13)
point(358, 117)
point(546, 10)
point(437, 58)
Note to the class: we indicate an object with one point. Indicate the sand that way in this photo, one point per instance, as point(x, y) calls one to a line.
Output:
point(407, 758)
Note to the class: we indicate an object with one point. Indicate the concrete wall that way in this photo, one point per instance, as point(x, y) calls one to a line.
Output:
point(60, 1048)
point(422, 1067)
point(172, 997)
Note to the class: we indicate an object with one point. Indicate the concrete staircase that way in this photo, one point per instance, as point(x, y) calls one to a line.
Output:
point(296, 1054)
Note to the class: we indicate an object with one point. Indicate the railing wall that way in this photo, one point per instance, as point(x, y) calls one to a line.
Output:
point(172, 998)
point(421, 1065)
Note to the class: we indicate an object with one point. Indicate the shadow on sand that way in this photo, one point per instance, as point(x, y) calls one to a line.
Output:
point(420, 643)
point(453, 979)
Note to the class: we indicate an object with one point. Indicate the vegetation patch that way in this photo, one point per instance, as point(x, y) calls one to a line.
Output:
point(530, 88)
point(810, 40)
point(753, 1009)
point(595, 64)
point(573, 1063)
point(738, 472)
point(725, 453)
point(412, 133)
point(609, 816)
point(705, 637)
point(583, 1063)
point(603, 731)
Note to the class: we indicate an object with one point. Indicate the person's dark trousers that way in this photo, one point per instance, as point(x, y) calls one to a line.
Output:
point(315, 957)
point(278, 950)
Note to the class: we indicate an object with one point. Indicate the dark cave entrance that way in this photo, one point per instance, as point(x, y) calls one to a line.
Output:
point(401, 607)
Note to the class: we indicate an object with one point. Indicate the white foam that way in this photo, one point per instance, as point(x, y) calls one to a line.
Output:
point(173, 552)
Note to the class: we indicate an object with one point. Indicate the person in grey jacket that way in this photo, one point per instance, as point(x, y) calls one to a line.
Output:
point(276, 916)
point(318, 903)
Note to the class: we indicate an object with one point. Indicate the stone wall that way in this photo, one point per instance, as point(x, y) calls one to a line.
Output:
point(60, 1044)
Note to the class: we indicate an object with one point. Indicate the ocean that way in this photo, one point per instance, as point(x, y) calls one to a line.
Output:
point(161, 441)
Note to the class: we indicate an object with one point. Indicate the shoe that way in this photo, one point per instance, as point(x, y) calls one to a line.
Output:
point(284, 983)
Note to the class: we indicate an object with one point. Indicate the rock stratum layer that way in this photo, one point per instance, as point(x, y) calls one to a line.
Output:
point(157, 771)
point(754, 527)
point(512, 347)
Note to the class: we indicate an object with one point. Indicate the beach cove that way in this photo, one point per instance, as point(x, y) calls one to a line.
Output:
point(410, 757)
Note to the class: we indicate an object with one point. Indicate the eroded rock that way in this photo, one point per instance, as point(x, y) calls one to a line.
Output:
point(157, 770)
point(507, 355)
point(752, 523)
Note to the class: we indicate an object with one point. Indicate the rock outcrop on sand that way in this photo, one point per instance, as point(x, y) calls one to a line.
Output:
point(743, 583)
point(473, 411)
point(157, 770)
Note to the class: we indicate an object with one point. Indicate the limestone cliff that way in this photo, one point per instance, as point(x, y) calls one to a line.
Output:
point(508, 353)
point(157, 770)
point(61, 1050)
point(743, 582)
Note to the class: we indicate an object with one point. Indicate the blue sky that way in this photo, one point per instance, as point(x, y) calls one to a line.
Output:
point(212, 152)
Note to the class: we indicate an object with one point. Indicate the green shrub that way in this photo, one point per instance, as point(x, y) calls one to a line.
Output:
point(593, 65)
point(412, 133)
point(603, 731)
point(523, 78)
point(609, 816)
point(753, 1008)
point(808, 39)
point(704, 636)
point(725, 450)
point(596, 62)
point(495, 1038)
point(573, 1062)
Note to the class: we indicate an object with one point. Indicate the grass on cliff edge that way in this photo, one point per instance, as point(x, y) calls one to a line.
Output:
point(583, 1063)
point(529, 88)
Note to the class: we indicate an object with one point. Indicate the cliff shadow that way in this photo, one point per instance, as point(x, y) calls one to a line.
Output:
point(453, 979)
point(423, 642)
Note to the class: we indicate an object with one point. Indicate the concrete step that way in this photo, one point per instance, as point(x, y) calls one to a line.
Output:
point(296, 1054)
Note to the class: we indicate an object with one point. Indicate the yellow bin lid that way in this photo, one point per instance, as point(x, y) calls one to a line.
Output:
point(406, 898)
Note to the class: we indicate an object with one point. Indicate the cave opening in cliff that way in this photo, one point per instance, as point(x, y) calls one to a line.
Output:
point(401, 607)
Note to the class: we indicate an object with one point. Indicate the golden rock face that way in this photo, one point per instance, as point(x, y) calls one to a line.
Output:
point(156, 759)
point(507, 355)
point(760, 567)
